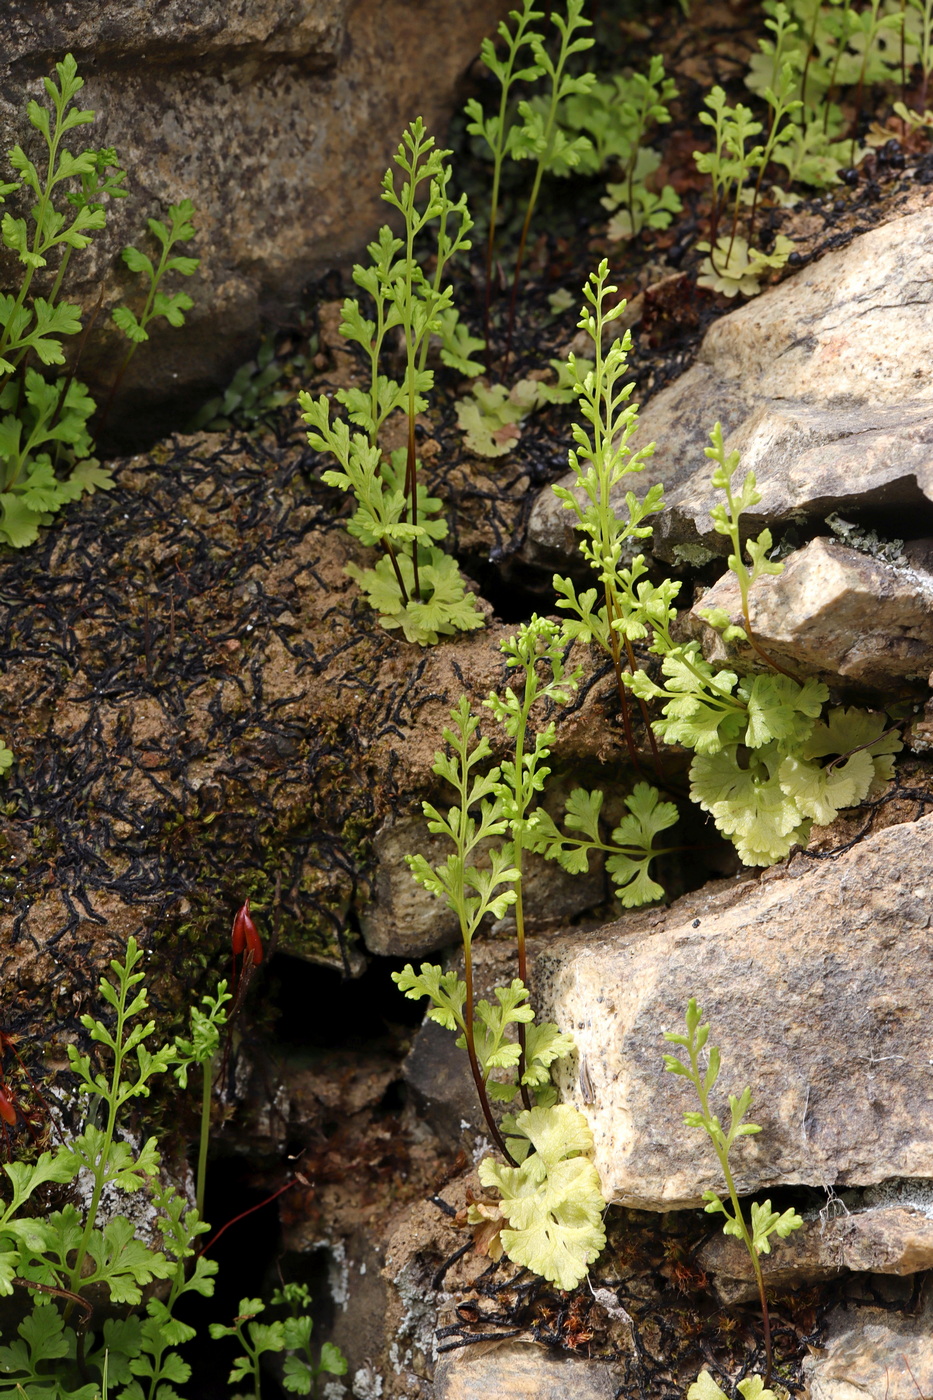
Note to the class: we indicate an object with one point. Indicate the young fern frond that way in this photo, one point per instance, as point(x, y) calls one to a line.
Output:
point(171, 307)
point(630, 850)
point(540, 137)
point(416, 587)
point(470, 891)
point(601, 460)
point(756, 1233)
point(539, 645)
point(497, 130)
point(550, 1216)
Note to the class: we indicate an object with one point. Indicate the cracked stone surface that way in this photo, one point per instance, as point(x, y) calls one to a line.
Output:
point(517, 1370)
point(816, 980)
point(824, 382)
point(889, 1239)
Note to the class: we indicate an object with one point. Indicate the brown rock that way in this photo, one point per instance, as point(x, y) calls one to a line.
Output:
point(835, 613)
point(816, 983)
point(277, 119)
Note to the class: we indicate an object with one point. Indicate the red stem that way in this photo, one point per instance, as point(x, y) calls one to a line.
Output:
point(478, 1080)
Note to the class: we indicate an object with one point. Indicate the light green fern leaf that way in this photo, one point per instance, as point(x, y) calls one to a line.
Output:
point(553, 1201)
point(748, 804)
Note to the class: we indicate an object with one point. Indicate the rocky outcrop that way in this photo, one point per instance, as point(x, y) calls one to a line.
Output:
point(277, 119)
point(815, 984)
point(513, 1371)
point(823, 383)
point(883, 1239)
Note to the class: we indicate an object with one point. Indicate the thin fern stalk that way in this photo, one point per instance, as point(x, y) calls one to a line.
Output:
point(811, 41)
point(741, 573)
point(738, 1214)
point(522, 796)
point(207, 1072)
point(602, 434)
point(566, 28)
point(477, 1073)
point(38, 246)
point(840, 49)
point(100, 1167)
point(874, 5)
point(516, 42)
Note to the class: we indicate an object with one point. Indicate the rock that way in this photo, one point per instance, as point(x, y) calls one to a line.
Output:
point(825, 384)
point(816, 983)
point(278, 119)
point(437, 1072)
point(835, 613)
point(442, 1088)
point(810, 460)
point(875, 1353)
point(515, 1370)
point(227, 718)
point(405, 921)
point(882, 1239)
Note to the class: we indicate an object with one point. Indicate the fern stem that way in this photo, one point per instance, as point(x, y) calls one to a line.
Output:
point(721, 1148)
point(478, 1079)
point(207, 1070)
point(521, 803)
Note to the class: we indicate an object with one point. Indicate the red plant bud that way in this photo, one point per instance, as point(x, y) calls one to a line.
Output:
point(245, 935)
point(7, 1111)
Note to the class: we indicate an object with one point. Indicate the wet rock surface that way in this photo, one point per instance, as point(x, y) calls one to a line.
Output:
point(203, 708)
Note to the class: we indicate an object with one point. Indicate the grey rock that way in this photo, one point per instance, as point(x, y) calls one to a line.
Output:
point(442, 1088)
point(825, 384)
point(515, 1370)
point(887, 1239)
point(812, 980)
point(277, 118)
point(808, 461)
point(874, 1353)
point(835, 613)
